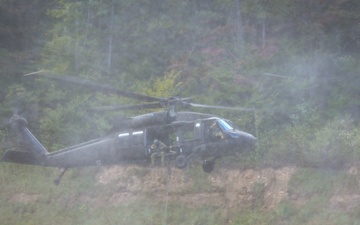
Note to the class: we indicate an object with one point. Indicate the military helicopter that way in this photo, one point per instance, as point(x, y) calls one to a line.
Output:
point(186, 135)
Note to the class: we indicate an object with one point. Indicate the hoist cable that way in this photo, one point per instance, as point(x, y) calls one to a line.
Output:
point(167, 194)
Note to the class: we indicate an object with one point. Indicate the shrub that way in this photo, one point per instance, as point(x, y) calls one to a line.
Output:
point(333, 145)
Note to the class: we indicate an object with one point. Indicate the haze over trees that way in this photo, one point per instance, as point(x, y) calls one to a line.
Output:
point(295, 61)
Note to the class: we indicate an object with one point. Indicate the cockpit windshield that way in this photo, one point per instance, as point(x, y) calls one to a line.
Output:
point(224, 125)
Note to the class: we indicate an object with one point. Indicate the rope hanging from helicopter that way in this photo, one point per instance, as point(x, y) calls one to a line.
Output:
point(167, 194)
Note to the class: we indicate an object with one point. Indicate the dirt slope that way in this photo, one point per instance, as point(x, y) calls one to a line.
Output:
point(226, 189)
point(222, 188)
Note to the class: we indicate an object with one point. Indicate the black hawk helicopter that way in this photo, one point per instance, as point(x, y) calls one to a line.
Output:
point(185, 134)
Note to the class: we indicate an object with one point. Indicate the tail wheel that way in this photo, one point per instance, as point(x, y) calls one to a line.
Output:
point(181, 161)
point(208, 166)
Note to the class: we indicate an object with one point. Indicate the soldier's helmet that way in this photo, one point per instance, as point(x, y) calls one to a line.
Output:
point(156, 142)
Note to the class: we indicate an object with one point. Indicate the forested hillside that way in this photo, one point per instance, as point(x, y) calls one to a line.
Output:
point(296, 62)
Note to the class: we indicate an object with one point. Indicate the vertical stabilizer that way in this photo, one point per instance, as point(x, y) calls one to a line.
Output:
point(28, 140)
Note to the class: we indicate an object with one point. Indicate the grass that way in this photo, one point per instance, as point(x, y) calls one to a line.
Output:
point(309, 182)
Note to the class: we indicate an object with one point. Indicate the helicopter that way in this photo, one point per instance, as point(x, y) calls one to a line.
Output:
point(186, 135)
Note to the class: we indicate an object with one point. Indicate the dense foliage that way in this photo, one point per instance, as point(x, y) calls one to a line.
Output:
point(295, 61)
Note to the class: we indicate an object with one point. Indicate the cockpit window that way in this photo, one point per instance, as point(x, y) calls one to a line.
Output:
point(233, 125)
point(224, 125)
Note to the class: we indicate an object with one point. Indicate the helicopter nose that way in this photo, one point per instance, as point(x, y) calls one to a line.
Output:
point(250, 141)
point(247, 141)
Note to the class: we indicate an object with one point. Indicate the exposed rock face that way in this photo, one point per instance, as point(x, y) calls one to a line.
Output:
point(225, 188)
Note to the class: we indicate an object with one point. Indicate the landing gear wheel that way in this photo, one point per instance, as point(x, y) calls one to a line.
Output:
point(57, 182)
point(181, 161)
point(208, 166)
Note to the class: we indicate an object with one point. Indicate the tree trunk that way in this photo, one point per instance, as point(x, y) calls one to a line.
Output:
point(110, 38)
point(239, 31)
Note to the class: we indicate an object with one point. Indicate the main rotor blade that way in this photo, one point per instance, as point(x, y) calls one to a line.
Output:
point(127, 107)
point(220, 107)
point(97, 87)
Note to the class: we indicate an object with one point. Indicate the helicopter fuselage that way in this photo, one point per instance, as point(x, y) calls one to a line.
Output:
point(182, 138)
